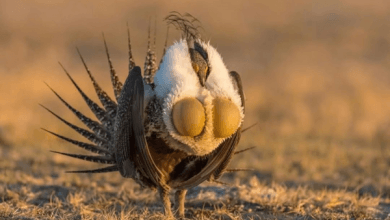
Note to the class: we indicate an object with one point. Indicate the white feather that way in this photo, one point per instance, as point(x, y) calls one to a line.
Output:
point(176, 80)
point(176, 72)
point(219, 81)
point(148, 93)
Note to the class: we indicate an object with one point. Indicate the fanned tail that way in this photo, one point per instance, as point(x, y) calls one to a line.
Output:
point(114, 78)
point(249, 127)
point(85, 133)
point(106, 101)
point(89, 147)
point(95, 108)
point(131, 59)
point(100, 132)
point(95, 126)
point(101, 170)
point(233, 170)
point(95, 159)
point(238, 170)
point(150, 60)
point(242, 151)
point(165, 48)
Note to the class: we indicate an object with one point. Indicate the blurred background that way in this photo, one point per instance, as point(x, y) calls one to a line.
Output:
point(311, 69)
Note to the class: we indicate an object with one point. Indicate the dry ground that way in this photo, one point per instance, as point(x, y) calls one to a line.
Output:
point(316, 77)
point(293, 179)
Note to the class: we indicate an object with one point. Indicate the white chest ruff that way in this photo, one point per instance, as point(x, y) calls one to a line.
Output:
point(176, 80)
point(201, 144)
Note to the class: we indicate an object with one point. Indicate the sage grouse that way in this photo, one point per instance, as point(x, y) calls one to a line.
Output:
point(173, 127)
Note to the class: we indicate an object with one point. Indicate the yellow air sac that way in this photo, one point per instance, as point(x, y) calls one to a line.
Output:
point(188, 117)
point(226, 117)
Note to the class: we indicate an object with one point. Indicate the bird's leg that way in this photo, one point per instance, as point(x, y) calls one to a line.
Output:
point(180, 197)
point(164, 195)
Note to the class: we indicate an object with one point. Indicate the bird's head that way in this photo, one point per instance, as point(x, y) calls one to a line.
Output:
point(201, 106)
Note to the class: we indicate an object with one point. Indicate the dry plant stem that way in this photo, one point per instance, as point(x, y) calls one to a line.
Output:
point(180, 197)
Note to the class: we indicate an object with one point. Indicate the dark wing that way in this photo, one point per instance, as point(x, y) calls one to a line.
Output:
point(207, 166)
point(132, 153)
point(237, 80)
point(212, 166)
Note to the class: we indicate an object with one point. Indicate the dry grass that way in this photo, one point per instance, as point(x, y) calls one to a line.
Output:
point(34, 186)
point(316, 79)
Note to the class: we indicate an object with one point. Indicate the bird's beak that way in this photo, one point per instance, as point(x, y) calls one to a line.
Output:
point(202, 77)
point(201, 72)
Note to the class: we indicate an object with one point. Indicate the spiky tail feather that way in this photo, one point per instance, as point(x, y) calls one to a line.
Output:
point(131, 59)
point(85, 133)
point(114, 78)
point(101, 170)
point(165, 48)
point(233, 170)
point(100, 132)
point(106, 101)
point(95, 126)
point(86, 146)
point(238, 170)
point(96, 159)
point(249, 127)
point(150, 60)
point(243, 150)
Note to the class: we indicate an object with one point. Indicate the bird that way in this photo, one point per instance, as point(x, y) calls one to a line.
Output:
point(170, 128)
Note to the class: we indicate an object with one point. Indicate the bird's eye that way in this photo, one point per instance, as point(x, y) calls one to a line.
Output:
point(188, 117)
point(226, 117)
